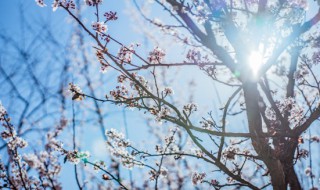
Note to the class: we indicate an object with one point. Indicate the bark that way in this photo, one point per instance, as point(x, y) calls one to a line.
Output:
point(276, 173)
point(292, 178)
point(280, 166)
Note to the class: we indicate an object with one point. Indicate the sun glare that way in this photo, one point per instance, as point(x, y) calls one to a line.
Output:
point(256, 60)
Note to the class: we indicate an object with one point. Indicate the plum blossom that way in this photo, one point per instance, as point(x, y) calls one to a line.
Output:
point(230, 153)
point(110, 15)
point(117, 145)
point(93, 2)
point(287, 105)
point(316, 57)
point(156, 55)
point(198, 178)
point(119, 93)
point(168, 91)
point(125, 54)
point(76, 91)
point(3, 111)
point(163, 172)
point(99, 27)
point(104, 65)
point(193, 56)
point(99, 164)
point(68, 4)
point(55, 5)
point(75, 157)
point(207, 124)
point(189, 108)
point(17, 142)
point(301, 73)
point(302, 4)
point(40, 3)
point(32, 160)
point(160, 114)
point(270, 114)
point(308, 171)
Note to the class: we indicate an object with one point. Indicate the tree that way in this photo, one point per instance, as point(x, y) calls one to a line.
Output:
point(263, 58)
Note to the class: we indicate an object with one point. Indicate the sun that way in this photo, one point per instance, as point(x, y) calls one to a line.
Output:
point(256, 60)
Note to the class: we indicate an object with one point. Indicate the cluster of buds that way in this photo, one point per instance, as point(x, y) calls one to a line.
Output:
point(110, 15)
point(194, 56)
point(121, 78)
point(168, 91)
point(207, 124)
point(93, 2)
point(163, 172)
point(120, 93)
point(189, 108)
point(104, 65)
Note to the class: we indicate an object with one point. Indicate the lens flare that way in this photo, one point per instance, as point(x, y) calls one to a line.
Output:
point(256, 60)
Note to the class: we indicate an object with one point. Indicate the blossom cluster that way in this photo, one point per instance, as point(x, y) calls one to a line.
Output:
point(168, 91)
point(231, 152)
point(40, 3)
point(117, 145)
point(76, 92)
point(160, 114)
point(110, 15)
point(301, 73)
point(99, 27)
point(93, 2)
point(301, 4)
point(104, 64)
point(163, 172)
point(75, 156)
point(47, 166)
point(296, 115)
point(3, 111)
point(125, 54)
point(156, 56)
point(68, 4)
point(189, 108)
point(207, 124)
point(198, 177)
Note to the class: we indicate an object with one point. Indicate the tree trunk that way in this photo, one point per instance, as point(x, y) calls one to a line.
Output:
point(291, 177)
point(277, 174)
point(282, 174)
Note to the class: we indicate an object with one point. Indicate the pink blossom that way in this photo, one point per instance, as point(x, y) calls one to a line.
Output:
point(99, 27)
point(93, 2)
point(198, 178)
point(40, 3)
point(156, 55)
